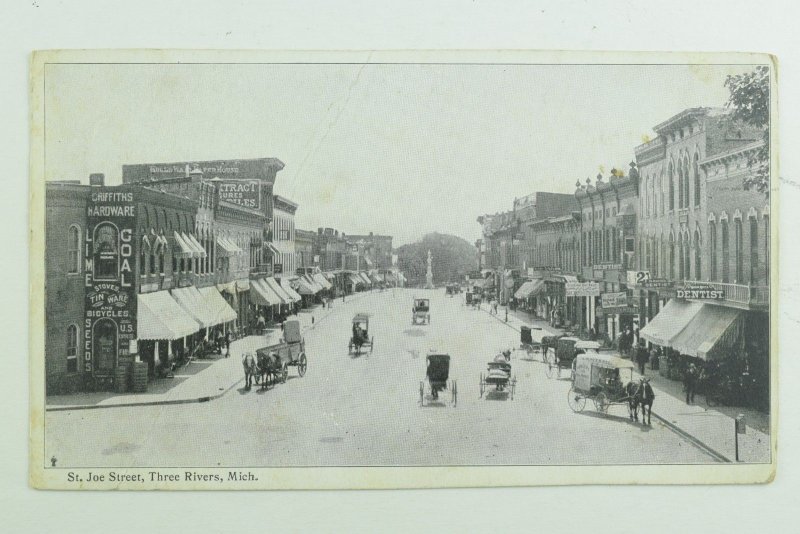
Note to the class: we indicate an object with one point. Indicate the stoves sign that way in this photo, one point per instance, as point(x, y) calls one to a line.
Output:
point(700, 292)
point(109, 321)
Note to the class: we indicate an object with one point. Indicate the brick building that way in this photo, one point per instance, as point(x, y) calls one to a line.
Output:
point(304, 250)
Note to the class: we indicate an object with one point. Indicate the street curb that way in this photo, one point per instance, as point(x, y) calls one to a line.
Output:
point(206, 398)
point(695, 441)
point(690, 438)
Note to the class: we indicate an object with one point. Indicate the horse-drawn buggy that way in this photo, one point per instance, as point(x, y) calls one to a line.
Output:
point(270, 365)
point(421, 312)
point(437, 374)
point(473, 299)
point(533, 349)
point(562, 357)
point(360, 337)
point(452, 290)
point(606, 379)
point(549, 346)
point(498, 374)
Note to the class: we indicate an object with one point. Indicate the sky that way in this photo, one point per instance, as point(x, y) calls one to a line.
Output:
point(402, 150)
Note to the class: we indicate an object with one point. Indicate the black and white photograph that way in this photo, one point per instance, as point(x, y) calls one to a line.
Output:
point(305, 270)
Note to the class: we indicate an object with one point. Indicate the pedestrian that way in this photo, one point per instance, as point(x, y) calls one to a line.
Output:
point(227, 344)
point(690, 383)
point(641, 356)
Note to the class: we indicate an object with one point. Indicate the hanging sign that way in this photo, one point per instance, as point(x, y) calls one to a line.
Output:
point(582, 289)
point(700, 292)
point(614, 300)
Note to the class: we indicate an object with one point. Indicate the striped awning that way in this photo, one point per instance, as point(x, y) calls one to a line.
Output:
point(262, 294)
point(355, 279)
point(227, 247)
point(322, 281)
point(159, 317)
point(220, 309)
point(182, 249)
point(286, 286)
point(195, 305)
point(276, 287)
point(197, 248)
point(365, 278)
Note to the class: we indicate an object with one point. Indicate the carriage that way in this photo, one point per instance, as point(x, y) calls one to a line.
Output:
point(548, 346)
point(604, 378)
point(437, 374)
point(360, 337)
point(498, 374)
point(421, 312)
point(273, 362)
point(562, 357)
point(473, 299)
point(452, 289)
point(532, 348)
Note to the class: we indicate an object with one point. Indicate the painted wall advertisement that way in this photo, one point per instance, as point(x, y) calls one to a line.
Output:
point(110, 292)
point(582, 289)
point(245, 193)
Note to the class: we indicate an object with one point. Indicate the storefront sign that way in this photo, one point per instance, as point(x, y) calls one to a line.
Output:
point(636, 278)
point(700, 292)
point(582, 289)
point(614, 300)
point(657, 283)
point(110, 293)
point(607, 267)
point(620, 310)
point(262, 170)
point(245, 193)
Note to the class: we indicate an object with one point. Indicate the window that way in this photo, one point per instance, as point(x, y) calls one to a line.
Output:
point(686, 182)
point(681, 272)
point(753, 250)
point(74, 250)
point(72, 349)
point(687, 270)
point(712, 250)
point(726, 260)
point(696, 173)
point(671, 258)
point(671, 187)
point(681, 179)
point(161, 262)
point(738, 238)
point(697, 262)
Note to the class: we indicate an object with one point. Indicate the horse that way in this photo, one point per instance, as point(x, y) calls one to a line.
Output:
point(250, 369)
point(268, 367)
point(644, 397)
point(631, 390)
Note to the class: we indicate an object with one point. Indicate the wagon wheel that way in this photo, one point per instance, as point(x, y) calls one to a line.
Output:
point(550, 370)
point(454, 388)
point(601, 402)
point(483, 385)
point(284, 372)
point(301, 367)
point(576, 400)
point(422, 393)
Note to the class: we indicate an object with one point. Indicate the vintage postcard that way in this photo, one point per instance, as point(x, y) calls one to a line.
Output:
point(272, 270)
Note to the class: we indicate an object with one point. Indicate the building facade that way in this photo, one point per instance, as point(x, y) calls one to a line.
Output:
point(284, 261)
point(306, 259)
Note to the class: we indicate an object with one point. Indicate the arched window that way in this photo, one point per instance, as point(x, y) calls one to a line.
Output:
point(72, 348)
point(74, 250)
point(105, 251)
point(697, 261)
point(681, 179)
point(681, 258)
point(655, 266)
point(739, 242)
point(671, 257)
point(712, 249)
point(687, 270)
point(726, 258)
point(753, 250)
point(696, 173)
point(686, 182)
point(144, 248)
point(671, 174)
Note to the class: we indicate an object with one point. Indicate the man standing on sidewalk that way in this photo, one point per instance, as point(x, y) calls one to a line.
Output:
point(690, 383)
point(641, 356)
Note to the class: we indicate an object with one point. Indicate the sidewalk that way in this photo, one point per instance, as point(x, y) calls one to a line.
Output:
point(712, 428)
point(200, 380)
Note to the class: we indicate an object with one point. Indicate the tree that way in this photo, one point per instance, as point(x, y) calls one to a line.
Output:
point(749, 102)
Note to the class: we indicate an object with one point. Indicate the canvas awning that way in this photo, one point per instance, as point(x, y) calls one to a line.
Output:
point(288, 288)
point(390, 278)
point(200, 252)
point(272, 249)
point(314, 284)
point(195, 305)
point(378, 277)
point(160, 317)
point(226, 247)
point(322, 281)
point(182, 248)
point(401, 278)
point(711, 330)
point(304, 288)
point(365, 278)
point(670, 321)
point(262, 294)
point(355, 279)
point(215, 302)
point(529, 289)
point(276, 287)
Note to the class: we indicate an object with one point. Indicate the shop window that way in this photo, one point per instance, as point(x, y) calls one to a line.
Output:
point(726, 259)
point(74, 250)
point(739, 241)
point(72, 349)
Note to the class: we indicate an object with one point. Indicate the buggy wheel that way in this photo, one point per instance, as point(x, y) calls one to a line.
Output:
point(483, 385)
point(550, 369)
point(422, 393)
point(601, 402)
point(301, 366)
point(575, 400)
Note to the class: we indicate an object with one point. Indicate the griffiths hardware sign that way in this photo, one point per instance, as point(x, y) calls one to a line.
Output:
point(700, 292)
point(109, 289)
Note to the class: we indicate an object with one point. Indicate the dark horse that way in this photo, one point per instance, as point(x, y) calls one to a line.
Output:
point(643, 395)
point(269, 367)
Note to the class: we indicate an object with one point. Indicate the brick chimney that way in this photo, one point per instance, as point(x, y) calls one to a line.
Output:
point(97, 179)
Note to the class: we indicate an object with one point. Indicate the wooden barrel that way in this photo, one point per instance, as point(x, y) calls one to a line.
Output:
point(139, 377)
point(121, 379)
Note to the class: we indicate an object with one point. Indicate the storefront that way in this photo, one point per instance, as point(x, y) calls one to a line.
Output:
point(165, 331)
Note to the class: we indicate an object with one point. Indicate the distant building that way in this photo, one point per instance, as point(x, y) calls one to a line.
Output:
point(305, 257)
point(284, 261)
